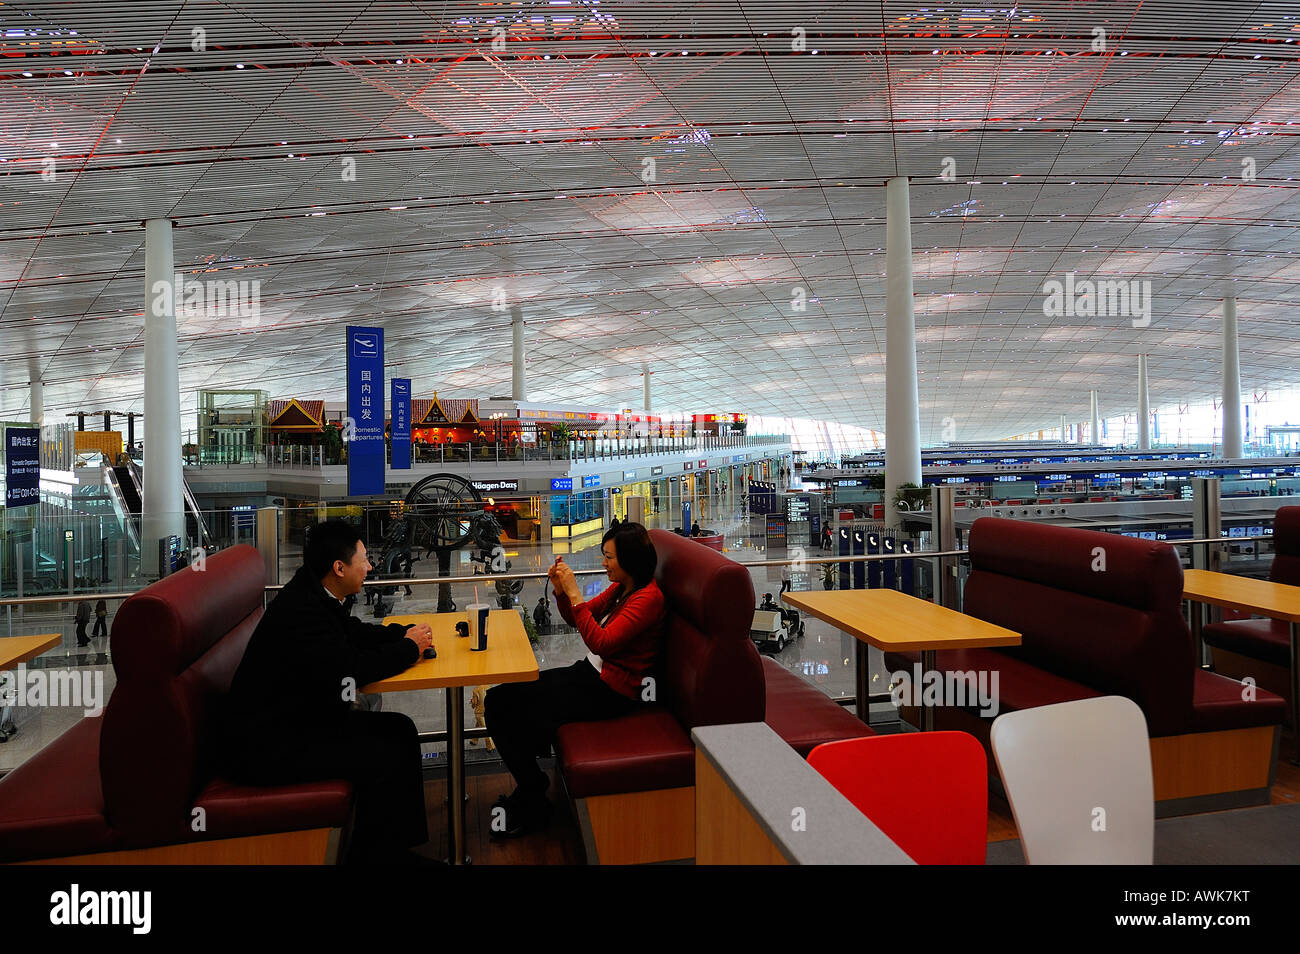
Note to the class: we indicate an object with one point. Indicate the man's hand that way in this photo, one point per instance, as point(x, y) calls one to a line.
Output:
point(421, 634)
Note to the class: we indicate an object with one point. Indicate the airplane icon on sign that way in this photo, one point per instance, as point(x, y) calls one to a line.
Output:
point(365, 346)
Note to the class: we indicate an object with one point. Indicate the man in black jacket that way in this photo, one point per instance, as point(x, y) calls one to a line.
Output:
point(290, 714)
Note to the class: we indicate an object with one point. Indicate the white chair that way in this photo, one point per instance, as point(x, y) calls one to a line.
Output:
point(1078, 777)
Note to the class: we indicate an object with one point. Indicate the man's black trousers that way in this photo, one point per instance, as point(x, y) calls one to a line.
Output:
point(378, 752)
point(522, 717)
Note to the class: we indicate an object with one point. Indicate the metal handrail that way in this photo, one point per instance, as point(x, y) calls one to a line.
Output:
point(495, 577)
point(118, 502)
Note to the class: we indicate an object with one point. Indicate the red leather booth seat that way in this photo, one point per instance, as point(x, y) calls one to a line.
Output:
point(1086, 632)
point(713, 542)
point(132, 778)
point(1268, 640)
point(52, 805)
point(711, 675)
point(802, 714)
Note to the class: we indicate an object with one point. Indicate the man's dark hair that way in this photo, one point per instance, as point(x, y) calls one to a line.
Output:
point(635, 553)
point(327, 542)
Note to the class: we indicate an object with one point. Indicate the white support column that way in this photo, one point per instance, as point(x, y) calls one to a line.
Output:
point(1231, 382)
point(645, 385)
point(518, 388)
point(163, 506)
point(902, 415)
point(37, 404)
point(1144, 406)
point(1064, 432)
point(1095, 436)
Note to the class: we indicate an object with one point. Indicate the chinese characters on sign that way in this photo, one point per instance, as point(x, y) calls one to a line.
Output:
point(22, 466)
point(401, 432)
point(365, 358)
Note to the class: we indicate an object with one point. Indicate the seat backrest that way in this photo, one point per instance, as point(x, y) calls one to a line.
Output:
point(928, 791)
point(712, 671)
point(1099, 609)
point(1078, 777)
point(1286, 547)
point(176, 645)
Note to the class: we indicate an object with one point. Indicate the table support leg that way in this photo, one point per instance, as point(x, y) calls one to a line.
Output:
point(1198, 620)
point(1295, 693)
point(862, 661)
point(456, 774)
point(927, 710)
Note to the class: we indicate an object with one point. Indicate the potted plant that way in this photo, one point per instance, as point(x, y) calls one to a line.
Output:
point(529, 626)
point(908, 496)
point(828, 576)
point(561, 432)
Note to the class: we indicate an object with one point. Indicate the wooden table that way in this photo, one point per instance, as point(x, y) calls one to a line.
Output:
point(894, 621)
point(508, 658)
point(19, 649)
point(13, 651)
point(1261, 597)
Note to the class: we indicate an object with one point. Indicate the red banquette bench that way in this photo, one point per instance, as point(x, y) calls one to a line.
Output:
point(1261, 648)
point(1101, 614)
point(632, 779)
point(137, 785)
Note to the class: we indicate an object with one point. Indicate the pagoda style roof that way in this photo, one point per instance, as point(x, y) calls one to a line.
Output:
point(436, 410)
point(295, 415)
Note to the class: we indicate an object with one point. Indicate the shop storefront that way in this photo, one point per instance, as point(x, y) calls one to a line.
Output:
point(619, 495)
point(575, 514)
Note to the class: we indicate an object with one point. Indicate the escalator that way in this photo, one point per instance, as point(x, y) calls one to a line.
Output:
point(125, 495)
point(130, 490)
point(126, 482)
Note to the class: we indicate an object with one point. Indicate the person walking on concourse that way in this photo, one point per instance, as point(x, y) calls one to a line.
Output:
point(101, 620)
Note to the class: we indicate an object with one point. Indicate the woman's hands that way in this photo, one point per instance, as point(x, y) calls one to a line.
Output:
point(561, 577)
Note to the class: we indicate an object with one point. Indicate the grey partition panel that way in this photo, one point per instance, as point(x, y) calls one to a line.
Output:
point(805, 816)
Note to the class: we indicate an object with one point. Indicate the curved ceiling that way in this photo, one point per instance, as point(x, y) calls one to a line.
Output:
point(1119, 141)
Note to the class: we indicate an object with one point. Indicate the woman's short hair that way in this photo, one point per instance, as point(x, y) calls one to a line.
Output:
point(329, 541)
point(636, 554)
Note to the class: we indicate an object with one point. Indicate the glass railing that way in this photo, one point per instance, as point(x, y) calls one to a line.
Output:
point(309, 457)
point(821, 655)
point(513, 577)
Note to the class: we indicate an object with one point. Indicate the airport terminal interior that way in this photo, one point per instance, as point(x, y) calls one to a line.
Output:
point(942, 359)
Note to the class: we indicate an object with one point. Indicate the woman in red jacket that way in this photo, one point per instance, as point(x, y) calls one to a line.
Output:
point(623, 628)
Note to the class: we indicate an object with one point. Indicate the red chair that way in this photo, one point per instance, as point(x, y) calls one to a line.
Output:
point(928, 791)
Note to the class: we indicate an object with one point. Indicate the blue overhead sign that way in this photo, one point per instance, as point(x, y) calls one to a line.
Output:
point(591, 481)
point(365, 360)
point(561, 483)
point(22, 466)
point(401, 428)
